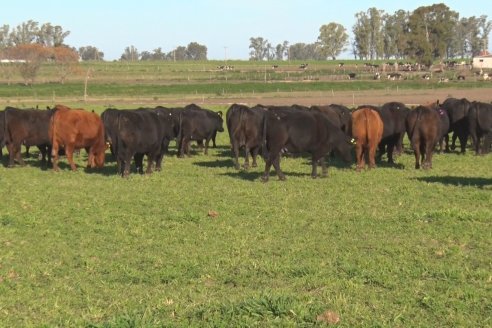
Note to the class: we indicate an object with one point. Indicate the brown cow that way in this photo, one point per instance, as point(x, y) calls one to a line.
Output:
point(76, 129)
point(367, 130)
point(423, 126)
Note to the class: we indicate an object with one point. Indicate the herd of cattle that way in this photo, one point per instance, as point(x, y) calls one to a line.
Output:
point(132, 134)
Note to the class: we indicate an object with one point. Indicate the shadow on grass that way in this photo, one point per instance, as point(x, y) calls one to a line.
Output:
point(255, 175)
point(217, 163)
point(458, 181)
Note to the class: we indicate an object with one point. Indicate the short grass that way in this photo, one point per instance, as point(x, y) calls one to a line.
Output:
point(390, 247)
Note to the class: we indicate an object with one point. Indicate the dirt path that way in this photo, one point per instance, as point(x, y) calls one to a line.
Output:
point(347, 98)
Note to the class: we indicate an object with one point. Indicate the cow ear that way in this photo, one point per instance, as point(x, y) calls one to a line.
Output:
point(220, 114)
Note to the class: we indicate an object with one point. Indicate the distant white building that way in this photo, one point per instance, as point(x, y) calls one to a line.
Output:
point(481, 62)
point(12, 61)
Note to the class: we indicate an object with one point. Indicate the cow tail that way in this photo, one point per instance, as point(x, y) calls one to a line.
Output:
point(367, 126)
point(180, 131)
point(238, 126)
point(52, 131)
point(264, 150)
point(5, 130)
point(419, 111)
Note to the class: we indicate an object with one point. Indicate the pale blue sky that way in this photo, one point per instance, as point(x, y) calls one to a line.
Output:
point(148, 24)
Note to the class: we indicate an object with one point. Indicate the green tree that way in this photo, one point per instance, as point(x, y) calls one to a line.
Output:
point(395, 32)
point(282, 50)
point(361, 30)
point(332, 40)
point(196, 51)
point(430, 32)
point(369, 34)
point(130, 54)
point(259, 48)
point(51, 36)
point(485, 29)
point(90, 53)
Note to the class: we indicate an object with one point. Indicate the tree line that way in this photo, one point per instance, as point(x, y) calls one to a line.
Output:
point(425, 34)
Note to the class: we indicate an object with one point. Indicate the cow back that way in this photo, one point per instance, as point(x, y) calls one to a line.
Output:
point(367, 125)
point(77, 127)
point(423, 123)
point(393, 115)
point(27, 126)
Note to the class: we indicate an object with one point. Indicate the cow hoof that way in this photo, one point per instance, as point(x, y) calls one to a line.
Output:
point(314, 176)
point(264, 179)
point(254, 165)
point(282, 178)
point(245, 166)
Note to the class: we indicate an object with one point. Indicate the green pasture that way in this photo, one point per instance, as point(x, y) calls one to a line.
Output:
point(113, 81)
point(203, 245)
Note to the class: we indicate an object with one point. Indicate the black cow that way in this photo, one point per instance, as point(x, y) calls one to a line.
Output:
point(338, 115)
point(458, 121)
point(480, 126)
point(298, 131)
point(423, 128)
point(198, 124)
point(245, 126)
point(27, 127)
point(139, 132)
point(2, 131)
point(110, 121)
point(443, 127)
point(393, 115)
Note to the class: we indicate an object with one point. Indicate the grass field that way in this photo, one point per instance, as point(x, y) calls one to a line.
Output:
point(113, 82)
point(201, 244)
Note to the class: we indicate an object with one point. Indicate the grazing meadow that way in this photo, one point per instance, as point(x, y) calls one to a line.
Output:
point(202, 244)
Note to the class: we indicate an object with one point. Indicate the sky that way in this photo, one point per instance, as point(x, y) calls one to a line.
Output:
point(224, 26)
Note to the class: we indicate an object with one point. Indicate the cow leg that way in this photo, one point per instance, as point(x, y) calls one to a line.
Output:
point(246, 157)
point(18, 155)
point(372, 156)
point(428, 156)
point(268, 166)
point(54, 155)
point(390, 151)
point(416, 151)
point(207, 141)
point(359, 154)
point(462, 137)
point(150, 163)
point(69, 153)
point(138, 158)
point(453, 141)
point(276, 165)
point(324, 169)
point(11, 149)
point(235, 154)
point(314, 167)
point(254, 154)
point(487, 141)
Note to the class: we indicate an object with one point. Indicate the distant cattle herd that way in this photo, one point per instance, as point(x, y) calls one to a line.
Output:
point(270, 131)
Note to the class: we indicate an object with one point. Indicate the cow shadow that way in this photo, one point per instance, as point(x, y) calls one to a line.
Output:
point(255, 175)
point(458, 181)
point(106, 170)
point(385, 164)
point(217, 163)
